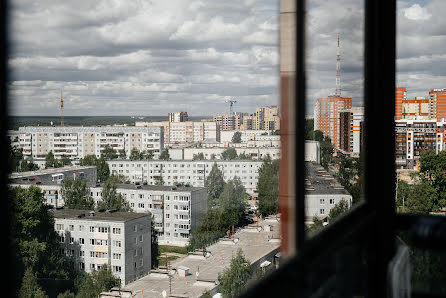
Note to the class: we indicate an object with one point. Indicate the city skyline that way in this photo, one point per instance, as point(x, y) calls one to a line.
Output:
point(146, 58)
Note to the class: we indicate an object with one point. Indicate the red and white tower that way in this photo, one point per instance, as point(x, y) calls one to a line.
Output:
point(338, 71)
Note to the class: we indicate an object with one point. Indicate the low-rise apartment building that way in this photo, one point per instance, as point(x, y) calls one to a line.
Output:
point(120, 240)
point(322, 192)
point(191, 172)
point(77, 142)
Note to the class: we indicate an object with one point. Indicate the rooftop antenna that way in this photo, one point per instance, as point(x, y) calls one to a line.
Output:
point(231, 103)
point(61, 108)
point(338, 71)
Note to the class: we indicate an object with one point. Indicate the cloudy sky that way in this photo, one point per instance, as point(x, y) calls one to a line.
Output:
point(147, 58)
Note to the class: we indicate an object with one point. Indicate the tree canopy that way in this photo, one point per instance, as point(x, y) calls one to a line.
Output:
point(229, 154)
point(76, 194)
point(268, 187)
point(165, 155)
point(234, 278)
point(108, 153)
point(34, 242)
point(214, 184)
point(110, 198)
point(237, 137)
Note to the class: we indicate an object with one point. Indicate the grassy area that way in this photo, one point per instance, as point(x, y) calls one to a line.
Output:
point(162, 260)
point(171, 248)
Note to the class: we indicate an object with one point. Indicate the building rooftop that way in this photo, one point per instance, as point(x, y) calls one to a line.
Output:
point(187, 160)
point(16, 175)
point(178, 187)
point(319, 181)
point(255, 242)
point(97, 215)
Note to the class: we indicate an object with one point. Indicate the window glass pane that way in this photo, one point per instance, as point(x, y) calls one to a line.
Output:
point(334, 108)
point(177, 105)
point(420, 109)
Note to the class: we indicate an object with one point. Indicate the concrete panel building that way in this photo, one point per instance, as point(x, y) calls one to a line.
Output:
point(176, 210)
point(120, 240)
point(77, 142)
point(186, 132)
point(192, 172)
point(322, 192)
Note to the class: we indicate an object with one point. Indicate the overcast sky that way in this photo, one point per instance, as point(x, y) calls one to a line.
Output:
point(152, 57)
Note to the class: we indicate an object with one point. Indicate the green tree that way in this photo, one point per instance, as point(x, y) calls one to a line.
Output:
point(148, 155)
point(30, 287)
point(91, 285)
point(268, 187)
point(103, 171)
point(341, 207)
point(15, 157)
point(164, 155)
point(214, 184)
point(122, 154)
point(233, 201)
point(28, 164)
point(316, 226)
point(433, 174)
point(135, 154)
point(51, 161)
point(66, 294)
point(108, 153)
point(65, 161)
point(349, 176)
point(199, 156)
point(88, 160)
point(315, 135)
point(234, 278)
point(229, 154)
point(159, 180)
point(206, 294)
point(76, 194)
point(402, 194)
point(326, 152)
point(155, 253)
point(237, 137)
point(34, 242)
point(244, 156)
point(110, 198)
point(420, 199)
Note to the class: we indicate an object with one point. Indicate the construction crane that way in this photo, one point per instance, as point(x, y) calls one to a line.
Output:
point(61, 108)
point(231, 103)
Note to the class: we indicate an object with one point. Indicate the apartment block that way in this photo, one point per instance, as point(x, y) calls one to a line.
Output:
point(400, 96)
point(350, 130)
point(431, 108)
point(437, 99)
point(191, 172)
point(50, 181)
point(228, 122)
point(77, 142)
point(176, 210)
point(322, 192)
point(120, 240)
point(326, 116)
point(186, 132)
point(178, 117)
point(415, 136)
point(267, 118)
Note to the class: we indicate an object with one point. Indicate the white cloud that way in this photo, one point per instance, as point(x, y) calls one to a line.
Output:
point(417, 13)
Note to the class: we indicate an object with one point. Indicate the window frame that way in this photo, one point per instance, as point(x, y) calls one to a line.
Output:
point(376, 213)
